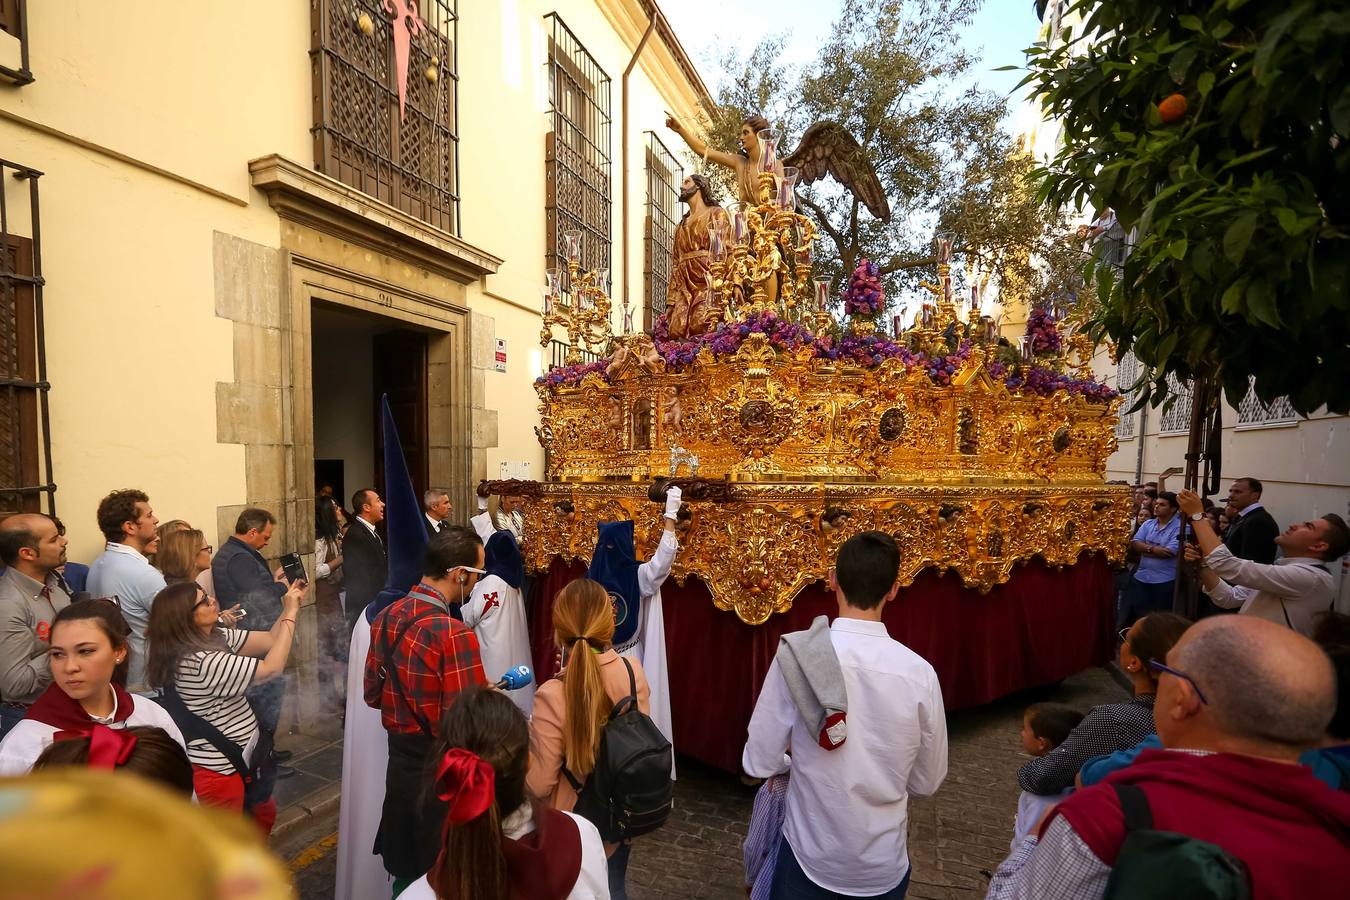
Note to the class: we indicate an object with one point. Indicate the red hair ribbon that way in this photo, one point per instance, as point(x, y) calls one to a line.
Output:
point(108, 747)
point(467, 782)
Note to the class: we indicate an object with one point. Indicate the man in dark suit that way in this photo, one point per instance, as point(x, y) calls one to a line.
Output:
point(364, 565)
point(436, 508)
point(1252, 535)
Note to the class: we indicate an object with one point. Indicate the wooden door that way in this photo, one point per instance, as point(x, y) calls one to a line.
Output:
point(400, 370)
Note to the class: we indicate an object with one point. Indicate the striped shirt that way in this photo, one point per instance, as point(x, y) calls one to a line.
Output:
point(212, 685)
point(1105, 729)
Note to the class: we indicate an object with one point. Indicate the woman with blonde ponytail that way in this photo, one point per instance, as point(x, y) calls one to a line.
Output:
point(570, 710)
point(498, 845)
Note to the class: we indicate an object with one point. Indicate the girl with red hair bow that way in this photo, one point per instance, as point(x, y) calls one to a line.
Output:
point(88, 653)
point(497, 844)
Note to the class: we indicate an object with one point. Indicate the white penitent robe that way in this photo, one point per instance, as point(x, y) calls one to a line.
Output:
point(496, 613)
point(360, 872)
point(650, 647)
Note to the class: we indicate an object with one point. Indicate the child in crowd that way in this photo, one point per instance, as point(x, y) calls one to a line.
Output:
point(1044, 727)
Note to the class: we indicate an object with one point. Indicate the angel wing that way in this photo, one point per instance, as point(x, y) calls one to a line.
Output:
point(828, 149)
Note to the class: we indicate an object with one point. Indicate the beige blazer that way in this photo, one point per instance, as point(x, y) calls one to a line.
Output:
point(545, 779)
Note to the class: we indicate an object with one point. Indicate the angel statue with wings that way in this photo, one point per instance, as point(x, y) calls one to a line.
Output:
point(826, 149)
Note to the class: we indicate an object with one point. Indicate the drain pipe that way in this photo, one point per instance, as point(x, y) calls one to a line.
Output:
point(653, 17)
point(1139, 451)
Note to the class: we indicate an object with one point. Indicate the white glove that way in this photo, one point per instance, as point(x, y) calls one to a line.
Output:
point(673, 497)
point(482, 504)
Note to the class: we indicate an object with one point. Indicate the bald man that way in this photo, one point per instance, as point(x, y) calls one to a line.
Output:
point(1239, 698)
point(32, 549)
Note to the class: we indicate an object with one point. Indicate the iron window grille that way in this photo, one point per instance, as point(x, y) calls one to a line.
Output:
point(410, 161)
point(1177, 419)
point(25, 432)
point(1127, 372)
point(577, 152)
point(664, 176)
point(14, 22)
point(557, 354)
point(1252, 413)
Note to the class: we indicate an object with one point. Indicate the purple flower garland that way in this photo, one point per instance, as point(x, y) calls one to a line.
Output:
point(867, 351)
point(1044, 331)
point(864, 296)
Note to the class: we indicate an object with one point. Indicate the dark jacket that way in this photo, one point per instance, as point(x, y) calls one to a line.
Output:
point(241, 576)
point(364, 568)
point(1252, 537)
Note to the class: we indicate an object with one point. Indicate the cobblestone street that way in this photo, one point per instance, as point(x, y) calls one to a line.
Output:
point(963, 829)
point(953, 835)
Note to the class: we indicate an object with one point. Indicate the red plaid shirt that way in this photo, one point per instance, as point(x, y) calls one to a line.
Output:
point(436, 657)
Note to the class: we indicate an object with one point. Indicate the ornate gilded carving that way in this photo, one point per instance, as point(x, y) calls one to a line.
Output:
point(760, 411)
point(761, 544)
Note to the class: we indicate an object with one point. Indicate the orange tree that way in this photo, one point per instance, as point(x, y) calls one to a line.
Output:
point(1220, 131)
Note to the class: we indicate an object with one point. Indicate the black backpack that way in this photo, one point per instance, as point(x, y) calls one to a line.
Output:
point(1164, 863)
point(630, 791)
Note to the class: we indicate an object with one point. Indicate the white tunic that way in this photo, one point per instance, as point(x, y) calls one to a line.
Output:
point(496, 613)
point(649, 647)
point(360, 872)
point(592, 880)
point(26, 740)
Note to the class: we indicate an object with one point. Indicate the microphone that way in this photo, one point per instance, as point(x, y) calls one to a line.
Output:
point(515, 679)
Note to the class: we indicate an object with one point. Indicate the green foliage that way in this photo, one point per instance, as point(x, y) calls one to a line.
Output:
point(1242, 206)
point(892, 72)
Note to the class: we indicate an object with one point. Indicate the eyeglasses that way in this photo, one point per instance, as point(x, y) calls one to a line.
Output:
point(206, 549)
point(1124, 634)
point(1163, 667)
point(472, 569)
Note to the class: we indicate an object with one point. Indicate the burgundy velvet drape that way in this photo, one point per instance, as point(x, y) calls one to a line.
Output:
point(1043, 625)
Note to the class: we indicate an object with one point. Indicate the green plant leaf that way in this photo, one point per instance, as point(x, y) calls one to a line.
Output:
point(1261, 303)
point(1181, 64)
point(1191, 23)
point(1287, 218)
point(1340, 113)
point(1231, 303)
point(1205, 83)
point(1238, 236)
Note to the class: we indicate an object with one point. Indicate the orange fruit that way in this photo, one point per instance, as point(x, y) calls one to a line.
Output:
point(1172, 108)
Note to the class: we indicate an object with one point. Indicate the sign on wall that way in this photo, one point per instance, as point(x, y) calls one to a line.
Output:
point(501, 355)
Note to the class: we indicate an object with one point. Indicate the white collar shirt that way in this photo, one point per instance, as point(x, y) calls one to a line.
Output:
point(369, 527)
point(117, 547)
point(847, 808)
point(434, 523)
point(1291, 591)
point(1250, 508)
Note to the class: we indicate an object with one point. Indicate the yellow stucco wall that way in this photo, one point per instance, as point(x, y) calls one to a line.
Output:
point(144, 116)
point(504, 99)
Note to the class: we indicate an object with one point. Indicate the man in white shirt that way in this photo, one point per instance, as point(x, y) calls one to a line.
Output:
point(122, 571)
point(1292, 591)
point(845, 826)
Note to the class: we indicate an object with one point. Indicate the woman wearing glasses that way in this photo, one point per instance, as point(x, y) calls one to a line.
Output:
point(204, 670)
point(1111, 726)
point(87, 654)
point(183, 555)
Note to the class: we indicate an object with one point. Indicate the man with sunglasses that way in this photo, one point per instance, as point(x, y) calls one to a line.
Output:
point(1226, 776)
point(420, 659)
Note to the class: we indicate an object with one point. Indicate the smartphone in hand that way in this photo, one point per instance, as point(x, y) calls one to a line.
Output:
point(293, 568)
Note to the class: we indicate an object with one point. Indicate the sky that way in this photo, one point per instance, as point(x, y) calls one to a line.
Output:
point(997, 37)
